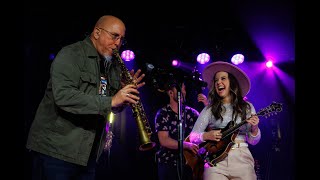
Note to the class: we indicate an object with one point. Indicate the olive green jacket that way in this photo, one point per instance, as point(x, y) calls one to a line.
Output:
point(72, 111)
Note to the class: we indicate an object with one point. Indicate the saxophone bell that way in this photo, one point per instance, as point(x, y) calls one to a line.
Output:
point(144, 129)
point(147, 146)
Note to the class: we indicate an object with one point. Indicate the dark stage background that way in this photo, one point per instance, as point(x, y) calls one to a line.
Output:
point(158, 31)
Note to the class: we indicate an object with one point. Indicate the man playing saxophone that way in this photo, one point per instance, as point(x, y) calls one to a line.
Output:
point(67, 135)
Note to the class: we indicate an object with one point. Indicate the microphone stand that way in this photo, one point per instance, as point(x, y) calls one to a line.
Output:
point(180, 134)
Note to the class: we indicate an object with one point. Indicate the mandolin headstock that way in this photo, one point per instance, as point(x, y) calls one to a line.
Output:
point(272, 109)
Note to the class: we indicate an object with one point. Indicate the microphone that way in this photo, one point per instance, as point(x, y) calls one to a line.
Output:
point(150, 67)
point(195, 81)
point(154, 75)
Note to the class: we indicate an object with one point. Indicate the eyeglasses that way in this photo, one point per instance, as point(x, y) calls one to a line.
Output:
point(115, 36)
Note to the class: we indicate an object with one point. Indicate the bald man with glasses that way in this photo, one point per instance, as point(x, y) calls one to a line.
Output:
point(67, 135)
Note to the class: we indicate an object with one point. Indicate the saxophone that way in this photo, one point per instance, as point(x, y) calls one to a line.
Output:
point(139, 114)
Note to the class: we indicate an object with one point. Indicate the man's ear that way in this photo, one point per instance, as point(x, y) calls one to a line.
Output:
point(97, 33)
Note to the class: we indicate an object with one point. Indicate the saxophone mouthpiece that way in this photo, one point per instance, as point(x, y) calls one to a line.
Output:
point(115, 50)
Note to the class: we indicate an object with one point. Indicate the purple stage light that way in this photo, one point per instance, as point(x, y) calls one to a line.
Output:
point(237, 59)
point(203, 58)
point(269, 64)
point(127, 55)
point(175, 63)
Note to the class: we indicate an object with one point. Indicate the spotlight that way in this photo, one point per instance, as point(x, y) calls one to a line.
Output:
point(52, 56)
point(175, 63)
point(203, 58)
point(237, 59)
point(127, 55)
point(269, 64)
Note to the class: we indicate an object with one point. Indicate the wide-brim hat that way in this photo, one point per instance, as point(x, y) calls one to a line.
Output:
point(243, 80)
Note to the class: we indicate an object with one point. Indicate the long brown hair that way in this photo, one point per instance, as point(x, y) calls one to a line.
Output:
point(238, 103)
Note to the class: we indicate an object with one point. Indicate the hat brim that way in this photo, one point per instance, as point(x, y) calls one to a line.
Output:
point(243, 80)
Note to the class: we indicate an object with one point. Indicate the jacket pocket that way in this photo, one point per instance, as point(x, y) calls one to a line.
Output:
point(88, 78)
point(88, 83)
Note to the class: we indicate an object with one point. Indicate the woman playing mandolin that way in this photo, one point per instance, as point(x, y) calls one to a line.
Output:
point(223, 148)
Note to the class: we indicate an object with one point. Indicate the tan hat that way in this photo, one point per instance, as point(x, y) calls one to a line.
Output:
point(243, 80)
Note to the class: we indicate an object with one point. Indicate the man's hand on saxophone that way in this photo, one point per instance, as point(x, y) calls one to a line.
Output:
point(129, 93)
point(126, 95)
point(137, 78)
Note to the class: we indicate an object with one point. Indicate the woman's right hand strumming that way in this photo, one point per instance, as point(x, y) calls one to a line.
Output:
point(213, 135)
